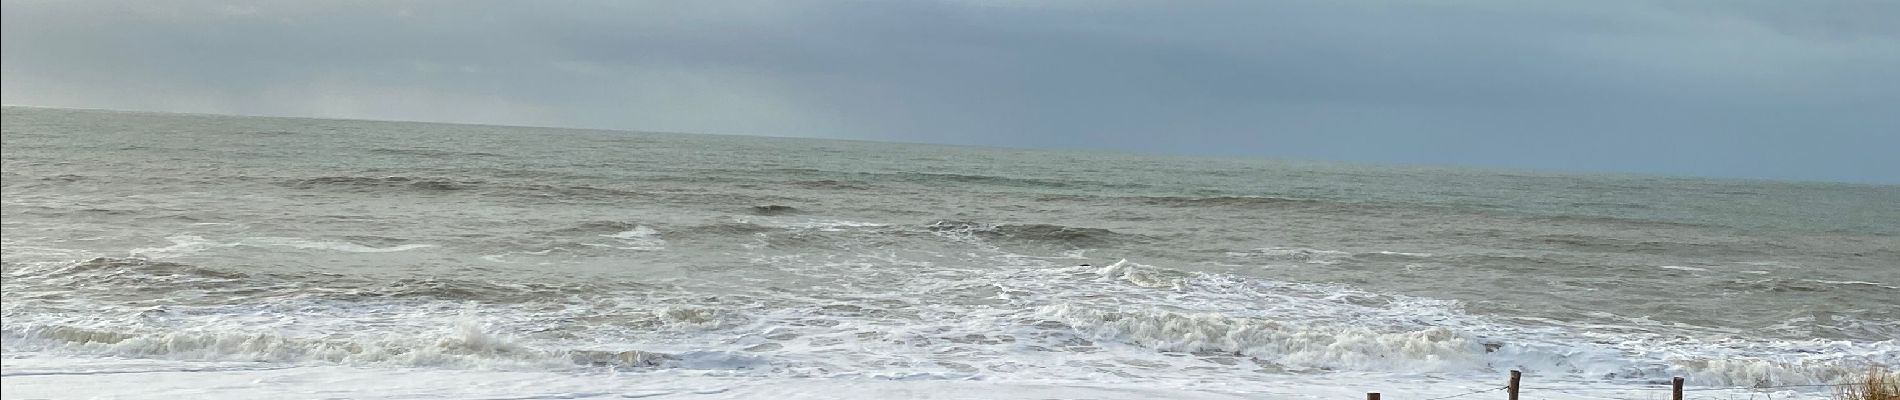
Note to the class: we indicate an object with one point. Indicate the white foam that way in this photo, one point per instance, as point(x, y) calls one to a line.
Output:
point(37, 252)
point(1125, 271)
point(1861, 283)
point(1294, 254)
point(638, 232)
point(639, 238)
point(1336, 328)
point(1682, 268)
point(1296, 346)
point(826, 225)
point(345, 247)
point(1018, 319)
point(68, 377)
point(187, 245)
point(182, 245)
point(464, 344)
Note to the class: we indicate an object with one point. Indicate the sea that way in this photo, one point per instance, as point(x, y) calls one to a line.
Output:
point(151, 255)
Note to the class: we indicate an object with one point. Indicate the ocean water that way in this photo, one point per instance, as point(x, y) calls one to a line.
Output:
point(238, 256)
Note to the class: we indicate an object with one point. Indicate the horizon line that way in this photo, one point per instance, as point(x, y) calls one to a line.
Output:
point(1493, 168)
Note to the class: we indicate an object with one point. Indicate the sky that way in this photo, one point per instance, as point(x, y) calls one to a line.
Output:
point(1806, 90)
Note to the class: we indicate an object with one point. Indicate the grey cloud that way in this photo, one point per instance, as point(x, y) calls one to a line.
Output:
point(1754, 89)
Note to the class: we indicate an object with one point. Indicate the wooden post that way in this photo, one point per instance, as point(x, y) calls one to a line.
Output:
point(1675, 389)
point(1512, 388)
point(1372, 396)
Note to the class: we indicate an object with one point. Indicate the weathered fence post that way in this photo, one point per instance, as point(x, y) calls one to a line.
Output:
point(1512, 388)
point(1372, 396)
point(1675, 389)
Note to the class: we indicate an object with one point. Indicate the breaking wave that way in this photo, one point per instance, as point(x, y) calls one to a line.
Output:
point(464, 345)
point(1804, 285)
point(1290, 346)
point(140, 278)
point(726, 230)
point(1124, 314)
point(431, 153)
point(773, 209)
point(1306, 327)
point(359, 183)
point(573, 193)
point(1067, 236)
point(1249, 202)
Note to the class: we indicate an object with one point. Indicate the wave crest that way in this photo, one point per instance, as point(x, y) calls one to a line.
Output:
point(1048, 234)
point(1248, 202)
point(361, 183)
point(1297, 347)
point(464, 345)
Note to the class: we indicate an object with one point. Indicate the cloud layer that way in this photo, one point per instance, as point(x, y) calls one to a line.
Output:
point(1733, 88)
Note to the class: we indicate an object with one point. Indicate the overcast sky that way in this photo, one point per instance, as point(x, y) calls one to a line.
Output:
point(1774, 89)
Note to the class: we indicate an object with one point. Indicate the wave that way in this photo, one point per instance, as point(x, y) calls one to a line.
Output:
point(828, 184)
point(445, 185)
point(591, 228)
point(1111, 317)
point(130, 273)
point(345, 247)
point(581, 192)
point(464, 345)
point(722, 230)
point(1046, 234)
point(183, 245)
point(773, 209)
point(461, 290)
point(1289, 346)
point(1621, 221)
point(1614, 245)
point(1294, 254)
point(64, 178)
point(1308, 327)
point(598, 237)
point(585, 238)
point(360, 183)
point(431, 153)
point(1594, 204)
point(265, 132)
point(139, 278)
point(937, 178)
point(1303, 255)
point(1245, 202)
point(1803, 285)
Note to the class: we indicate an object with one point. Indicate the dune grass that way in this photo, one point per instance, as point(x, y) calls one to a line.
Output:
point(1876, 384)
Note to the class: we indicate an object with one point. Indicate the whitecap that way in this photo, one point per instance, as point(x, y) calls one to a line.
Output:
point(346, 247)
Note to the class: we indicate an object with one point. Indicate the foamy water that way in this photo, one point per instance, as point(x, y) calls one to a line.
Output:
point(214, 256)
